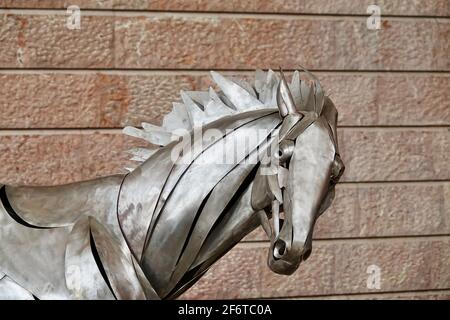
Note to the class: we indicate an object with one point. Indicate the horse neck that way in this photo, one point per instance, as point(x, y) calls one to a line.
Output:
point(178, 197)
point(240, 221)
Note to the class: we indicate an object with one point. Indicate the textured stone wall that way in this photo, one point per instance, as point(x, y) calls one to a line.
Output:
point(65, 94)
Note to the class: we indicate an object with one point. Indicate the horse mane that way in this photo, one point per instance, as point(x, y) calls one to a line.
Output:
point(236, 95)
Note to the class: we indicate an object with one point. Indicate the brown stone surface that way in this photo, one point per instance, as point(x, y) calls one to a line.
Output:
point(392, 7)
point(369, 155)
point(383, 210)
point(395, 154)
point(44, 41)
point(94, 100)
point(335, 267)
point(248, 43)
point(87, 100)
point(393, 210)
point(222, 42)
point(61, 158)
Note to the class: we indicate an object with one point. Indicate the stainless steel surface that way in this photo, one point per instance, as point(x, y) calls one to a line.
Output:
point(9, 290)
point(225, 163)
point(83, 277)
point(33, 258)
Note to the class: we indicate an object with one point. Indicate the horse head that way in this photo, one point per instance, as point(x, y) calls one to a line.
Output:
point(296, 185)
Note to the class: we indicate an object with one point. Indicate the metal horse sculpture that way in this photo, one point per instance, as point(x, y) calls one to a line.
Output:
point(153, 232)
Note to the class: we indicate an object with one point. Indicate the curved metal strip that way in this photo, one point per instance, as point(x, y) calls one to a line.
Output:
point(139, 195)
point(237, 222)
point(150, 293)
point(145, 190)
point(221, 195)
point(176, 219)
point(62, 205)
point(117, 264)
point(83, 277)
point(230, 124)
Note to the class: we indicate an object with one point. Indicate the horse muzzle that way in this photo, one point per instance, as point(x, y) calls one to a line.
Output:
point(285, 255)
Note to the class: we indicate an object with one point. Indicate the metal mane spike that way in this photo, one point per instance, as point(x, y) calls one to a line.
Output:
point(141, 154)
point(159, 136)
point(239, 96)
point(201, 98)
point(215, 108)
point(152, 134)
point(245, 85)
point(195, 113)
point(294, 87)
point(285, 101)
point(236, 96)
point(178, 118)
point(266, 84)
point(316, 93)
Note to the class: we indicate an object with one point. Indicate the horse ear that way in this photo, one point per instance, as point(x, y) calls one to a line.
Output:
point(285, 102)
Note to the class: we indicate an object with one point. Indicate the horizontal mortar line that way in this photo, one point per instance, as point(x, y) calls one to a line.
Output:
point(90, 130)
point(58, 131)
point(232, 14)
point(395, 127)
point(405, 293)
point(342, 240)
point(375, 183)
point(200, 71)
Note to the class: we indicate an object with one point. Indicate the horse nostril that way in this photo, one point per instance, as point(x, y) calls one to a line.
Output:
point(279, 249)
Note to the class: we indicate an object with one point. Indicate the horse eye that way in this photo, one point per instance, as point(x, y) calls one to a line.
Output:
point(337, 168)
point(285, 150)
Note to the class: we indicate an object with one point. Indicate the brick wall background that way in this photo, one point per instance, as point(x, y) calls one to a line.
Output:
point(66, 94)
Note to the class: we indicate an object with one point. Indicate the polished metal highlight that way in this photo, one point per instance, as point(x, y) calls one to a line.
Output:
point(153, 232)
